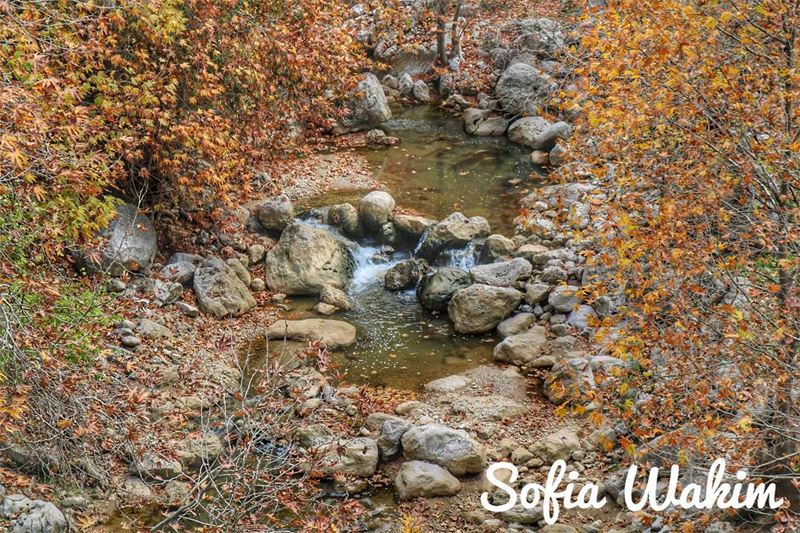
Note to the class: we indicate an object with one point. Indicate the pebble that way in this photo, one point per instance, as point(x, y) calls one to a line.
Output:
point(257, 285)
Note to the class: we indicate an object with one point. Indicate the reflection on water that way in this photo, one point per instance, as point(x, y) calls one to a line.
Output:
point(437, 169)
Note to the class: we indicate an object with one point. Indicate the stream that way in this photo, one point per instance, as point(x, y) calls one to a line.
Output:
point(434, 170)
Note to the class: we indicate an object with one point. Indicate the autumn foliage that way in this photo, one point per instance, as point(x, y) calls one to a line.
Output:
point(178, 100)
point(692, 118)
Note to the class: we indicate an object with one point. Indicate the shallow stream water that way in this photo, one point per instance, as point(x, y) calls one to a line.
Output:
point(434, 170)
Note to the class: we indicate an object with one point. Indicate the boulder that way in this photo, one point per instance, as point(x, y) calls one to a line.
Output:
point(376, 209)
point(421, 92)
point(275, 213)
point(480, 308)
point(179, 272)
point(345, 217)
point(580, 317)
point(32, 516)
point(392, 430)
point(153, 330)
point(135, 491)
point(540, 158)
point(367, 108)
point(487, 408)
point(515, 325)
point(558, 155)
point(405, 274)
point(153, 466)
point(502, 274)
point(564, 298)
point(219, 290)
point(523, 349)
point(480, 122)
point(547, 138)
point(435, 289)
point(335, 297)
point(306, 259)
point(496, 247)
point(521, 89)
point(525, 130)
point(447, 384)
point(405, 84)
point(130, 244)
point(444, 446)
point(166, 292)
point(558, 445)
point(325, 309)
point(241, 270)
point(377, 137)
point(412, 226)
point(536, 293)
point(313, 436)
point(453, 232)
point(419, 479)
point(199, 450)
point(332, 334)
point(178, 257)
point(357, 457)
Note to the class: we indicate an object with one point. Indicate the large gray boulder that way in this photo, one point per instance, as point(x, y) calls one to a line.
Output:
point(32, 516)
point(526, 130)
point(219, 290)
point(480, 122)
point(405, 274)
point(523, 349)
point(547, 139)
point(367, 108)
point(331, 334)
point(502, 274)
point(418, 479)
point(453, 232)
point(444, 446)
point(392, 430)
point(357, 457)
point(480, 308)
point(130, 244)
point(522, 88)
point(436, 288)
point(376, 209)
point(306, 259)
point(275, 213)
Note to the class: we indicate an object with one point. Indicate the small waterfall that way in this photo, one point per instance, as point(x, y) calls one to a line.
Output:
point(420, 241)
point(463, 258)
point(370, 263)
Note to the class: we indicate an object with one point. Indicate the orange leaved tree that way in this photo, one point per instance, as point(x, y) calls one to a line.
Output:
point(178, 97)
point(694, 106)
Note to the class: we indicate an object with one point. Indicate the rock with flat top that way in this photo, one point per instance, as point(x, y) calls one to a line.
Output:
point(332, 334)
point(453, 449)
point(419, 479)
